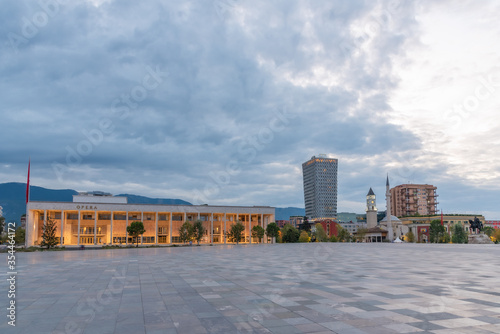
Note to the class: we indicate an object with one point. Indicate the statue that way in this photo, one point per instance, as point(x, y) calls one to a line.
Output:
point(476, 225)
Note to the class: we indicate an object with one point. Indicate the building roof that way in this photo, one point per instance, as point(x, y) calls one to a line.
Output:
point(393, 219)
point(375, 229)
point(370, 193)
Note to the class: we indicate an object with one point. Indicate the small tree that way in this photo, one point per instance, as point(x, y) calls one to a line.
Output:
point(410, 237)
point(305, 226)
point(333, 238)
point(135, 230)
point(186, 232)
point(360, 234)
point(20, 235)
point(459, 235)
point(49, 238)
point(272, 230)
point(343, 235)
point(436, 231)
point(258, 232)
point(289, 233)
point(489, 231)
point(320, 233)
point(304, 237)
point(236, 231)
point(198, 231)
point(497, 236)
point(2, 221)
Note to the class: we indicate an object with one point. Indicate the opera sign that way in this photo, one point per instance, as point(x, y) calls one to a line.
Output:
point(86, 207)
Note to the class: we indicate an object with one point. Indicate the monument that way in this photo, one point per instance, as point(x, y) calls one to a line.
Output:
point(476, 237)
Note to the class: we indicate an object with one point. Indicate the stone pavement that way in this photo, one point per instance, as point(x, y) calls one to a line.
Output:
point(284, 288)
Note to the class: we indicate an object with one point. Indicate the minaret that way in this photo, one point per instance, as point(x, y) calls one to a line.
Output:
point(371, 209)
point(390, 234)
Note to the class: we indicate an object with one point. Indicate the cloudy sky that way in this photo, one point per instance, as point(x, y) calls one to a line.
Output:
point(220, 101)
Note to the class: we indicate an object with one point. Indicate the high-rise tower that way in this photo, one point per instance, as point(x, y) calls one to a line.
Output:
point(371, 209)
point(320, 187)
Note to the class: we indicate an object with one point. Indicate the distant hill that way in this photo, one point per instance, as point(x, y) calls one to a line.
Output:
point(136, 199)
point(285, 213)
point(13, 198)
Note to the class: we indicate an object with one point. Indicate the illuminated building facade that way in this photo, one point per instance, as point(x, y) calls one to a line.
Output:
point(103, 220)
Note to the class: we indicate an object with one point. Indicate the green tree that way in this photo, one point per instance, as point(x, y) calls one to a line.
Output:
point(135, 230)
point(489, 231)
point(20, 235)
point(198, 231)
point(272, 230)
point(343, 235)
point(333, 238)
point(289, 234)
point(459, 235)
point(49, 238)
point(304, 237)
point(445, 238)
point(236, 231)
point(305, 226)
point(360, 234)
point(320, 233)
point(436, 231)
point(410, 237)
point(258, 232)
point(186, 232)
point(497, 236)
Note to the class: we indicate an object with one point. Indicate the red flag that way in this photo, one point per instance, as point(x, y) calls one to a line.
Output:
point(28, 183)
point(441, 216)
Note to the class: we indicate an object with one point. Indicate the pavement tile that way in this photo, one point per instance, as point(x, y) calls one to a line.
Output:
point(347, 289)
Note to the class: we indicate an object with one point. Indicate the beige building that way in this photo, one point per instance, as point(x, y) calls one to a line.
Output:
point(103, 220)
point(412, 199)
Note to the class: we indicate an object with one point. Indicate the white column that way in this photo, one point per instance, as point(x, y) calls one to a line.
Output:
point(264, 239)
point(79, 217)
point(62, 228)
point(142, 220)
point(170, 228)
point(111, 230)
point(211, 228)
point(95, 227)
point(225, 231)
point(156, 229)
point(250, 228)
point(126, 225)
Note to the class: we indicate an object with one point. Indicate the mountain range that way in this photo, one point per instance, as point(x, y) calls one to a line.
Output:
point(13, 200)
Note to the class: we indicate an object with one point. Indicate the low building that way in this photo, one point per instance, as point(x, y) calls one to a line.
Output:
point(296, 221)
point(282, 223)
point(352, 227)
point(344, 217)
point(103, 220)
point(330, 226)
point(420, 226)
point(493, 223)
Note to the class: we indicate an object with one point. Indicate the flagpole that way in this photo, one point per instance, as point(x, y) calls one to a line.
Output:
point(28, 188)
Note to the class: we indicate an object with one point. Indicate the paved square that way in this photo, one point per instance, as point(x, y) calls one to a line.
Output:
point(284, 288)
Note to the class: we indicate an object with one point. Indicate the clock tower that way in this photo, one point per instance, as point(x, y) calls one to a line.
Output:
point(371, 209)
